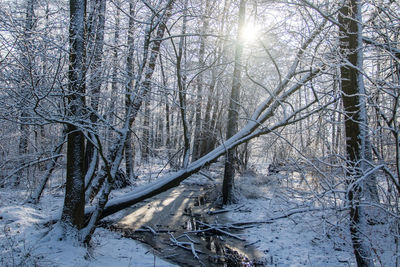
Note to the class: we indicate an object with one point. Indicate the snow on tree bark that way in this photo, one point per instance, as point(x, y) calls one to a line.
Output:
point(228, 184)
point(74, 202)
point(129, 149)
point(141, 90)
point(353, 93)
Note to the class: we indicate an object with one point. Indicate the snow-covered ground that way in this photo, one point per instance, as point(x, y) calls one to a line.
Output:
point(311, 238)
point(302, 239)
point(23, 242)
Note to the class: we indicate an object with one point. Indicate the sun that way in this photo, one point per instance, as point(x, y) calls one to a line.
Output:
point(250, 33)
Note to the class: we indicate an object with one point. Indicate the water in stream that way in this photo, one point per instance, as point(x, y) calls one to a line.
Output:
point(176, 226)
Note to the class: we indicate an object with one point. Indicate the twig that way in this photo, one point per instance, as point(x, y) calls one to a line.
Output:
point(188, 237)
point(31, 164)
point(140, 230)
point(221, 231)
point(151, 229)
point(290, 213)
point(252, 243)
point(206, 175)
point(184, 244)
point(212, 212)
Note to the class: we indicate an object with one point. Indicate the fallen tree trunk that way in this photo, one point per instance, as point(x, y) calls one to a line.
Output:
point(250, 131)
point(254, 128)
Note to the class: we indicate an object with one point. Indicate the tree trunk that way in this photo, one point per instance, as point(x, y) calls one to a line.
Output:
point(263, 113)
point(115, 70)
point(129, 150)
point(251, 130)
point(95, 36)
point(141, 89)
point(200, 81)
point(73, 211)
point(181, 80)
point(26, 61)
point(146, 129)
point(355, 127)
point(228, 184)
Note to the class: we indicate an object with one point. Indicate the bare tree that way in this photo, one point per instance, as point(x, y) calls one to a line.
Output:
point(228, 185)
point(357, 143)
point(26, 74)
point(72, 218)
point(129, 150)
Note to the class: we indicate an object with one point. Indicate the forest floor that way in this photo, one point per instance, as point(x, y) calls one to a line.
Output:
point(297, 230)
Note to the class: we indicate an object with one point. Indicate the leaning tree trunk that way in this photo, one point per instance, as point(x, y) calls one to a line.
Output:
point(141, 90)
point(233, 112)
point(353, 94)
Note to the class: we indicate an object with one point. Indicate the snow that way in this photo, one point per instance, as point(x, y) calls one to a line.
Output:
point(315, 237)
point(299, 240)
point(23, 240)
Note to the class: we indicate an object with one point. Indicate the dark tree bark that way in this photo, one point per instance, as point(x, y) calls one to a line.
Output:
point(129, 149)
point(146, 129)
point(181, 80)
point(228, 184)
point(353, 93)
point(73, 211)
point(167, 109)
point(115, 68)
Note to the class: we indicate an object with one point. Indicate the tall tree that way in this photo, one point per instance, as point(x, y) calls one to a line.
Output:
point(228, 184)
point(129, 149)
point(181, 81)
point(27, 68)
point(357, 144)
point(145, 72)
point(96, 40)
point(72, 216)
point(208, 131)
point(200, 84)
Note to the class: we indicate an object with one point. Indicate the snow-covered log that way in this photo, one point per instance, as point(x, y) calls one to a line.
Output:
point(252, 129)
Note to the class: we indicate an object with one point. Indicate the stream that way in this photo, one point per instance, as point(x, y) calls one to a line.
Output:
point(177, 226)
